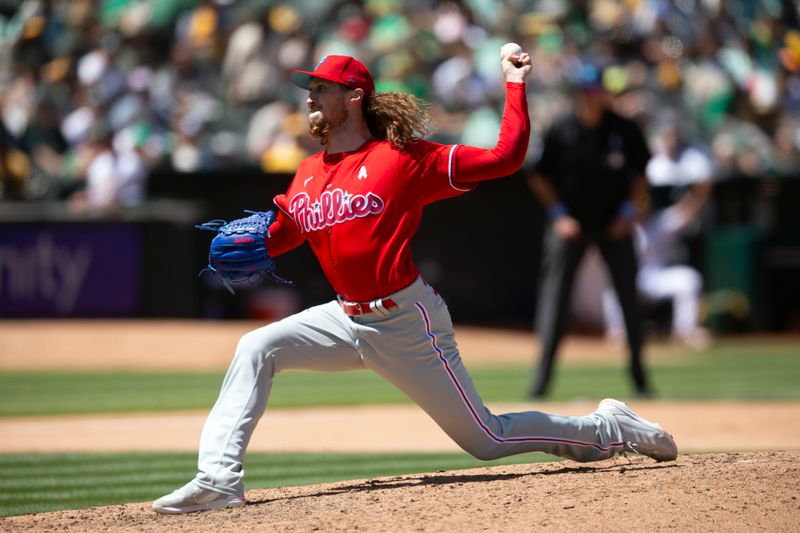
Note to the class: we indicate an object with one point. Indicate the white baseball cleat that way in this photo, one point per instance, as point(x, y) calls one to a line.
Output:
point(640, 435)
point(191, 498)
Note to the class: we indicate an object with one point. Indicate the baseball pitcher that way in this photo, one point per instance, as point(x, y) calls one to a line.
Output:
point(357, 204)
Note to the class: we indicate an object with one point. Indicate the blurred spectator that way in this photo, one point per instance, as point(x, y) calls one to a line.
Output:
point(680, 183)
point(113, 169)
point(14, 167)
point(16, 108)
point(43, 138)
point(195, 73)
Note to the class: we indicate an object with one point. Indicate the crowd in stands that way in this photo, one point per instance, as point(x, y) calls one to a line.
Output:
point(96, 94)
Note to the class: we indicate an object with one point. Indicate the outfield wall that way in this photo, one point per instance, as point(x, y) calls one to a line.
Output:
point(481, 250)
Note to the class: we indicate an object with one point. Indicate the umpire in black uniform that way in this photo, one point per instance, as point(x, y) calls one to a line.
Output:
point(588, 178)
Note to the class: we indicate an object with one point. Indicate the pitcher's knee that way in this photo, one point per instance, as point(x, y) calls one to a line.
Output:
point(488, 455)
point(254, 345)
point(484, 451)
point(249, 345)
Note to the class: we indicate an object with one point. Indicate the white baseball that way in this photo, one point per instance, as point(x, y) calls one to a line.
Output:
point(510, 49)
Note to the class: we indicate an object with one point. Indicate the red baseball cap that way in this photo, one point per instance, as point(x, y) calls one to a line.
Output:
point(344, 70)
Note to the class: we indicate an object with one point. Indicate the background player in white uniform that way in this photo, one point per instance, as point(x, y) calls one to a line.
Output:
point(357, 205)
point(685, 172)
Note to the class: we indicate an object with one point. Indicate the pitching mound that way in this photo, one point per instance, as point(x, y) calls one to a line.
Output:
point(720, 492)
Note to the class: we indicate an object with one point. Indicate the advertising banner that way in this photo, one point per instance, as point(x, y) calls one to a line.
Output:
point(69, 270)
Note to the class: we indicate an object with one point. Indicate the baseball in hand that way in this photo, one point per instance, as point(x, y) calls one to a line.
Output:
point(510, 49)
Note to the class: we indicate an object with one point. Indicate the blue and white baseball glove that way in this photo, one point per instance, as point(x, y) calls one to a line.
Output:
point(238, 254)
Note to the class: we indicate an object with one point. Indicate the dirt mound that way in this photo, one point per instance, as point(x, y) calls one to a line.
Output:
point(720, 492)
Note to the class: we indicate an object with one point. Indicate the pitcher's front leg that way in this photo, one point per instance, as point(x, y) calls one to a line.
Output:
point(314, 339)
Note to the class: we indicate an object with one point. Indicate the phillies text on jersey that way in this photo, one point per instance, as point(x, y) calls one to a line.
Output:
point(333, 207)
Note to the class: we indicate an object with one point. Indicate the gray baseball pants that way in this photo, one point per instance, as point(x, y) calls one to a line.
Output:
point(413, 347)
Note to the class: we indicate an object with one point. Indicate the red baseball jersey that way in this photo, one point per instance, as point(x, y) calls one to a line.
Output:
point(359, 210)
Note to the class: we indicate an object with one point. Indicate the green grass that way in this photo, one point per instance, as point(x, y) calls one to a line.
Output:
point(34, 483)
point(728, 371)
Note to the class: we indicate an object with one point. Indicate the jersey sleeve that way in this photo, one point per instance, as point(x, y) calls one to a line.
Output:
point(427, 167)
point(284, 235)
point(450, 170)
point(472, 165)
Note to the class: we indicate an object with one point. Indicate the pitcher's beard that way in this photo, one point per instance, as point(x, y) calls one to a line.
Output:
point(322, 129)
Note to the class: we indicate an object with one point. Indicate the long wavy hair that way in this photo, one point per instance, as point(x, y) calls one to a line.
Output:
point(397, 117)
